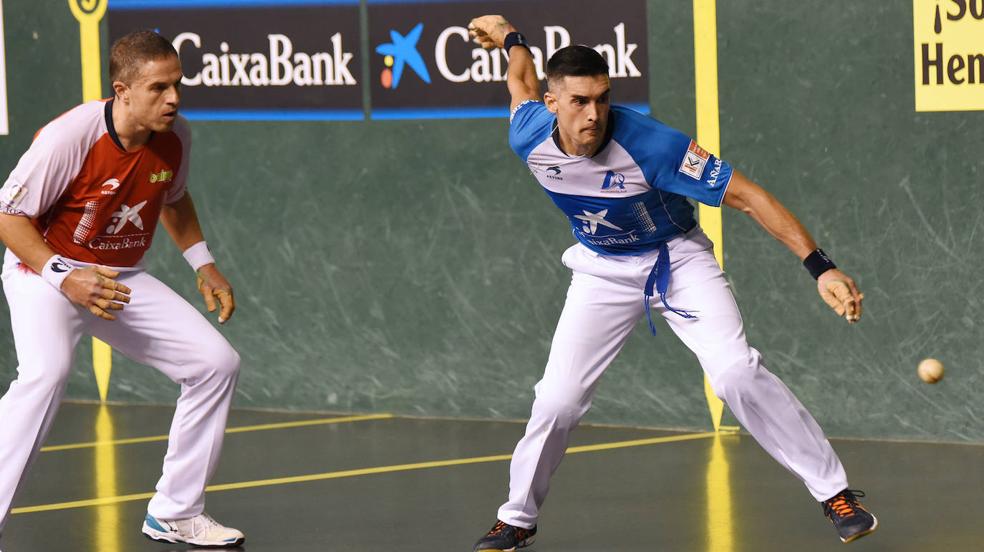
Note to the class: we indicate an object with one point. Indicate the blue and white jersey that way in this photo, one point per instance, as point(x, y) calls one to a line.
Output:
point(630, 197)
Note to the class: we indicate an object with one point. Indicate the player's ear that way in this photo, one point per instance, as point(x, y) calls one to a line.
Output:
point(122, 91)
point(550, 100)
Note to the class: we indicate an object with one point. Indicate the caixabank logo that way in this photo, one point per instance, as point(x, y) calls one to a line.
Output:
point(423, 64)
point(258, 59)
point(949, 54)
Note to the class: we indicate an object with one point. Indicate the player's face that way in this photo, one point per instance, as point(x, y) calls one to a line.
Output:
point(155, 95)
point(581, 105)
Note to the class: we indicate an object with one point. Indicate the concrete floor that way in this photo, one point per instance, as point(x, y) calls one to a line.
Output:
point(434, 485)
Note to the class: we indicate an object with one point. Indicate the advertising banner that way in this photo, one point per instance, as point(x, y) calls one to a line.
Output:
point(255, 59)
point(423, 65)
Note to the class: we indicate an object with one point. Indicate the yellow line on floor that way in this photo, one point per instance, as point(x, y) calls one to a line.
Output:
point(359, 472)
point(240, 429)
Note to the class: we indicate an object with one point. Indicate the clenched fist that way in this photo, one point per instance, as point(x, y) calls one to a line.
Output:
point(489, 31)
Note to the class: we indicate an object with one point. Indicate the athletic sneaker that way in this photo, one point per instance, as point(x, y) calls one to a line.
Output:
point(848, 515)
point(505, 538)
point(201, 530)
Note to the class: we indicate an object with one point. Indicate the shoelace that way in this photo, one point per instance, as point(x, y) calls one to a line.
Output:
point(844, 504)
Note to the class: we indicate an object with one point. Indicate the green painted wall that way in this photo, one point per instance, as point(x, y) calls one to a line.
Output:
point(414, 267)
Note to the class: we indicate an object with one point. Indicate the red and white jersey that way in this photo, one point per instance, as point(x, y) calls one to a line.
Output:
point(92, 200)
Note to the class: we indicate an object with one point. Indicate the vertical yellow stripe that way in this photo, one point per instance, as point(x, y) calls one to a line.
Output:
point(720, 532)
point(102, 366)
point(107, 522)
point(89, 13)
point(709, 137)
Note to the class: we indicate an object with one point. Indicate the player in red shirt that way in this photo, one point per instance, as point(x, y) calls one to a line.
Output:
point(77, 215)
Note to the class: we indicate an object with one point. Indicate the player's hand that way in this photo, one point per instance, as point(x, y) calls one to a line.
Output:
point(489, 31)
point(95, 288)
point(213, 285)
point(841, 294)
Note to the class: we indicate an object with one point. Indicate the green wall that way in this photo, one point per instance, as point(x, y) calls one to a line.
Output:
point(414, 267)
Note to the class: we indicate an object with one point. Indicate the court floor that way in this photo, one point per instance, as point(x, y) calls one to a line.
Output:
point(315, 482)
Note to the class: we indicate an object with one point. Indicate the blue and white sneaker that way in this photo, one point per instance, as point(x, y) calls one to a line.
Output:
point(201, 530)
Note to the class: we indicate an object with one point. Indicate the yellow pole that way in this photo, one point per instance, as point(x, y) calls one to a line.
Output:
point(89, 13)
point(720, 532)
point(709, 137)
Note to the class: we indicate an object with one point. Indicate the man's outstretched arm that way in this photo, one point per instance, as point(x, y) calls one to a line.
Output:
point(837, 289)
point(490, 31)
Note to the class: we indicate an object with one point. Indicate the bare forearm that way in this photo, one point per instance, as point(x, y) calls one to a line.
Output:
point(21, 237)
point(181, 222)
point(522, 79)
point(770, 214)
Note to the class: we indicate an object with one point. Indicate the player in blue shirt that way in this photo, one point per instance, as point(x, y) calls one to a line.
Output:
point(623, 180)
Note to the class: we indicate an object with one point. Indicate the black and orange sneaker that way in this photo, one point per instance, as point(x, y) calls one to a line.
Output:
point(849, 516)
point(505, 538)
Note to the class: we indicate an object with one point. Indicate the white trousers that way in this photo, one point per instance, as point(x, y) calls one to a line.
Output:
point(158, 328)
point(604, 303)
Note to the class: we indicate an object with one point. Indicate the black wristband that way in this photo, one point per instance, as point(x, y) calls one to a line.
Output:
point(514, 39)
point(817, 263)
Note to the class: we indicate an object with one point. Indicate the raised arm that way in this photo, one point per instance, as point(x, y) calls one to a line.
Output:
point(491, 31)
point(837, 289)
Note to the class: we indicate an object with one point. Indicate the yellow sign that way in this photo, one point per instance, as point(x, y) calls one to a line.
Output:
point(948, 43)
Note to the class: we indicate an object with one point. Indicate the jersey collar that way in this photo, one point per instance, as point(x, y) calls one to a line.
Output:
point(111, 128)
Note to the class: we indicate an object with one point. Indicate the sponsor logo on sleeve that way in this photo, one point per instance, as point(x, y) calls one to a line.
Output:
point(12, 194)
point(694, 161)
point(712, 178)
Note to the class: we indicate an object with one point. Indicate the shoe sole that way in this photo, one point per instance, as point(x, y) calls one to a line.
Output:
point(158, 536)
point(857, 536)
point(523, 544)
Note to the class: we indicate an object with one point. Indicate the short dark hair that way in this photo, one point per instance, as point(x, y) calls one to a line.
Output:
point(576, 61)
point(131, 51)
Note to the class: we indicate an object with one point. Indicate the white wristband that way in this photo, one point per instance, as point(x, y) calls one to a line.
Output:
point(56, 269)
point(198, 255)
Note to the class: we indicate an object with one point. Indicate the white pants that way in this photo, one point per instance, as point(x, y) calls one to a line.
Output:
point(604, 303)
point(158, 328)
